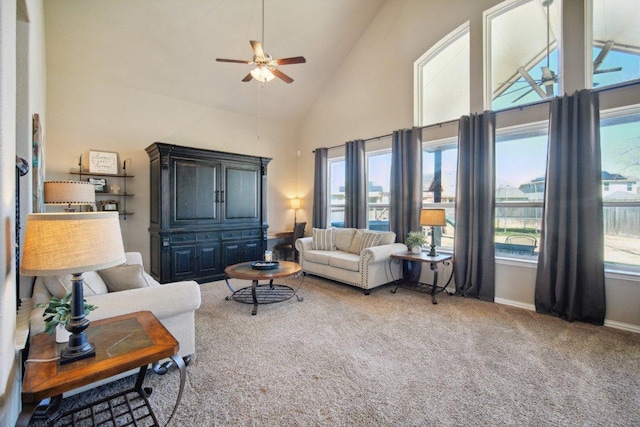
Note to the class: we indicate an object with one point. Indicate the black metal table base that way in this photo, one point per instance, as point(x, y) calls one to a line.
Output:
point(263, 294)
point(130, 407)
point(425, 288)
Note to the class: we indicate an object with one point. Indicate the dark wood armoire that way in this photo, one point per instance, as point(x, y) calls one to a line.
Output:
point(208, 211)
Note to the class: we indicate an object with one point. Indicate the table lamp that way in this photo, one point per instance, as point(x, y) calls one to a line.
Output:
point(69, 193)
point(432, 218)
point(71, 243)
point(295, 205)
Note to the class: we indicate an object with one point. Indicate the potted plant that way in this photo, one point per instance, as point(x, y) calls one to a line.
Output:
point(415, 240)
point(58, 313)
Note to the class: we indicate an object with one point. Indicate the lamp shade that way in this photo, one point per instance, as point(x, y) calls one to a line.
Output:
point(433, 217)
point(295, 203)
point(63, 243)
point(69, 193)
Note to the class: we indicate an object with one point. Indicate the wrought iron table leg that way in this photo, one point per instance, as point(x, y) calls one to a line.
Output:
point(254, 284)
point(434, 268)
point(183, 375)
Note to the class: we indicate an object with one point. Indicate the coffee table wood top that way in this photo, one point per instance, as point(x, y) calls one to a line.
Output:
point(122, 343)
point(246, 272)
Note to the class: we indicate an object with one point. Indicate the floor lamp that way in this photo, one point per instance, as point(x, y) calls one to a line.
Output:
point(295, 205)
point(71, 243)
point(433, 218)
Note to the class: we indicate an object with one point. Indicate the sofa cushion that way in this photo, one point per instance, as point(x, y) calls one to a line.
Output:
point(369, 238)
point(59, 286)
point(387, 238)
point(364, 239)
point(124, 277)
point(345, 261)
point(344, 236)
point(319, 257)
point(323, 240)
point(355, 242)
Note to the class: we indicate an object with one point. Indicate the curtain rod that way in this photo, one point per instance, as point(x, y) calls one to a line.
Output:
point(391, 134)
point(515, 107)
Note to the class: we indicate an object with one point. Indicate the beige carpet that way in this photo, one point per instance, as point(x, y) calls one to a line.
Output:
point(340, 358)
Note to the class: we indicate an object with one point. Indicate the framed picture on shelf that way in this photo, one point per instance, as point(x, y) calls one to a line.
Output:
point(100, 184)
point(103, 162)
point(109, 205)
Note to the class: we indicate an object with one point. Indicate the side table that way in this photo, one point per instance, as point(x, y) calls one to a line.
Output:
point(122, 343)
point(431, 288)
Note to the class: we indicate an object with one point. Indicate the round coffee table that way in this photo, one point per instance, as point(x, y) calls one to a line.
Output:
point(266, 293)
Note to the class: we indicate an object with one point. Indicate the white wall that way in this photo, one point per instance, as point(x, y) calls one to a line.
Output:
point(372, 94)
point(9, 398)
point(84, 113)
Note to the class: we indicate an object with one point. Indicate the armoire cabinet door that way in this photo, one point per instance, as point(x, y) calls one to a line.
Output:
point(195, 196)
point(241, 193)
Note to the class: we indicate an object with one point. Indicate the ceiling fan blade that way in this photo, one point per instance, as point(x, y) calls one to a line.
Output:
point(532, 82)
point(282, 76)
point(236, 61)
point(603, 54)
point(523, 95)
point(549, 90)
point(289, 61)
point(257, 48)
point(608, 70)
point(247, 78)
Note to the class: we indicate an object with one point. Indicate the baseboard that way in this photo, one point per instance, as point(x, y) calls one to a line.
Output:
point(512, 303)
point(609, 323)
point(624, 326)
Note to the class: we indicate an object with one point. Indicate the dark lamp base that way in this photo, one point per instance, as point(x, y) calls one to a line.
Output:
point(69, 354)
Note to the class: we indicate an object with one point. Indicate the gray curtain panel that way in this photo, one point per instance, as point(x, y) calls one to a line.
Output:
point(406, 182)
point(320, 192)
point(355, 209)
point(570, 277)
point(474, 250)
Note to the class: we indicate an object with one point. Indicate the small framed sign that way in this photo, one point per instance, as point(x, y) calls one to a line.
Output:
point(100, 184)
point(103, 162)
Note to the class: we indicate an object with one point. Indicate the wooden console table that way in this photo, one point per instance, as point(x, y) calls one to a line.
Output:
point(431, 288)
point(122, 343)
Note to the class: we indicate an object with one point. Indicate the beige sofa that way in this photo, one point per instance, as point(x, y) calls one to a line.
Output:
point(357, 257)
point(127, 289)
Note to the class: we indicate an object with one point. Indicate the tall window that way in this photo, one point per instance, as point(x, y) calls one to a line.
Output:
point(521, 157)
point(336, 191)
point(439, 170)
point(620, 146)
point(378, 187)
point(441, 78)
point(616, 56)
point(523, 37)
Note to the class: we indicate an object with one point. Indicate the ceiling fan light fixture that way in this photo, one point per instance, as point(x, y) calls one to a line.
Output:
point(262, 74)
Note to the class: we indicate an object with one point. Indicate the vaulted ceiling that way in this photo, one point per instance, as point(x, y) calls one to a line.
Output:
point(169, 47)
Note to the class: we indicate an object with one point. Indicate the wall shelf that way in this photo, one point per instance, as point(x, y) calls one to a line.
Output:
point(122, 177)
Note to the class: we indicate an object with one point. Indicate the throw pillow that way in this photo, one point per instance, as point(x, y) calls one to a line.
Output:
point(59, 286)
point(323, 240)
point(124, 277)
point(344, 236)
point(369, 238)
point(387, 238)
point(355, 242)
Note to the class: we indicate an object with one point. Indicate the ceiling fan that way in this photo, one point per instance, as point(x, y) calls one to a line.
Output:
point(549, 77)
point(266, 67)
